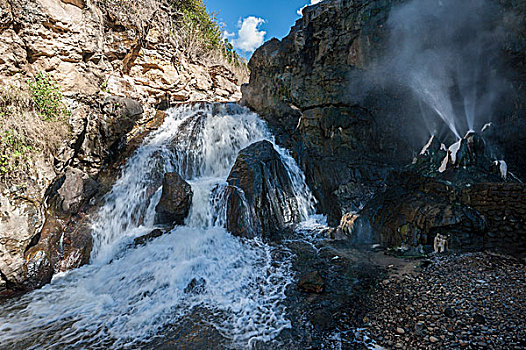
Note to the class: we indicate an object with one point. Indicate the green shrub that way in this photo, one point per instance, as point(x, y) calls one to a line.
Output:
point(204, 24)
point(14, 153)
point(196, 15)
point(47, 97)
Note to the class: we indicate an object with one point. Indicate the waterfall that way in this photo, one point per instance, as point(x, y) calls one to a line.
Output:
point(129, 295)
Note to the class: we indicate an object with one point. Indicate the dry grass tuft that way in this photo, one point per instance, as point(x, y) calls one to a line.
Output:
point(24, 135)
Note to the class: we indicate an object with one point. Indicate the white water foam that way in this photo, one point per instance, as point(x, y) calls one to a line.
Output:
point(127, 295)
point(503, 168)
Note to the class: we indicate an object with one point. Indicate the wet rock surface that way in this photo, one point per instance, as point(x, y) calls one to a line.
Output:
point(61, 245)
point(469, 301)
point(319, 319)
point(142, 240)
point(196, 286)
point(266, 193)
point(326, 306)
point(175, 202)
point(71, 191)
point(100, 133)
point(311, 283)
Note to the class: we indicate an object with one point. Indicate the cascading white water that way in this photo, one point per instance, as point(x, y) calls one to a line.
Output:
point(127, 295)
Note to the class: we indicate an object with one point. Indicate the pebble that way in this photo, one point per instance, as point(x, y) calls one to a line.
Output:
point(478, 318)
point(400, 330)
point(433, 339)
point(450, 312)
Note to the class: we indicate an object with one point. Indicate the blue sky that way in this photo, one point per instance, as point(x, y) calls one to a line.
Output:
point(249, 23)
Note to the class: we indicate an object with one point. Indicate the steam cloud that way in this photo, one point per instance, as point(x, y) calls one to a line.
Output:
point(446, 52)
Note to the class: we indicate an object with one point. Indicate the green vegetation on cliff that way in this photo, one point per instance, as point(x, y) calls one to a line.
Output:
point(14, 153)
point(187, 24)
point(32, 120)
point(47, 97)
point(203, 24)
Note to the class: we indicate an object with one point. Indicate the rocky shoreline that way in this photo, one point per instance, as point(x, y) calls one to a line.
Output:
point(464, 301)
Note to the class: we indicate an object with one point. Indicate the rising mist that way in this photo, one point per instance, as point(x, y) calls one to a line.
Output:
point(447, 53)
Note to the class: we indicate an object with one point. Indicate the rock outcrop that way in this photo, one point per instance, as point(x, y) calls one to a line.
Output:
point(50, 212)
point(142, 240)
point(261, 199)
point(122, 47)
point(175, 202)
point(347, 131)
point(301, 86)
point(467, 200)
point(414, 209)
point(71, 191)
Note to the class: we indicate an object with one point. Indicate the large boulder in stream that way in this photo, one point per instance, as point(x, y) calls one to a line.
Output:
point(63, 244)
point(261, 198)
point(175, 201)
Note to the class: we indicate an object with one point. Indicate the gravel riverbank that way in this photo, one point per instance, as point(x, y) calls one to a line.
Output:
point(468, 301)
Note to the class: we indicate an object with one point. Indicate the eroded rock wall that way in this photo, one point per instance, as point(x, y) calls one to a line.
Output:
point(416, 208)
point(503, 206)
point(302, 86)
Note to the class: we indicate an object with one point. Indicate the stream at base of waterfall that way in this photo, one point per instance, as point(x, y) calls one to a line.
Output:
point(131, 296)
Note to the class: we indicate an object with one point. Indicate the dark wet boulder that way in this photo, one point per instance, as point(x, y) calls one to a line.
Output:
point(142, 240)
point(311, 283)
point(430, 157)
point(175, 202)
point(62, 245)
point(263, 202)
point(76, 244)
point(196, 286)
point(472, 152)
point(120, 115)
point(239, 216)
point(71, 191)
point(38, 270)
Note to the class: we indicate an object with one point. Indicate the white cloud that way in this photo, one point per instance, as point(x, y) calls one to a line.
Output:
point(312, 2)
point(228, 35)
point(249, 37)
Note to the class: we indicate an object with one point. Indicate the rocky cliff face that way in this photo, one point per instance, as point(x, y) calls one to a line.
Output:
point(467, 199)
point(120, 47)
point(117, 64)
point(300, 85)
point(346, 131)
